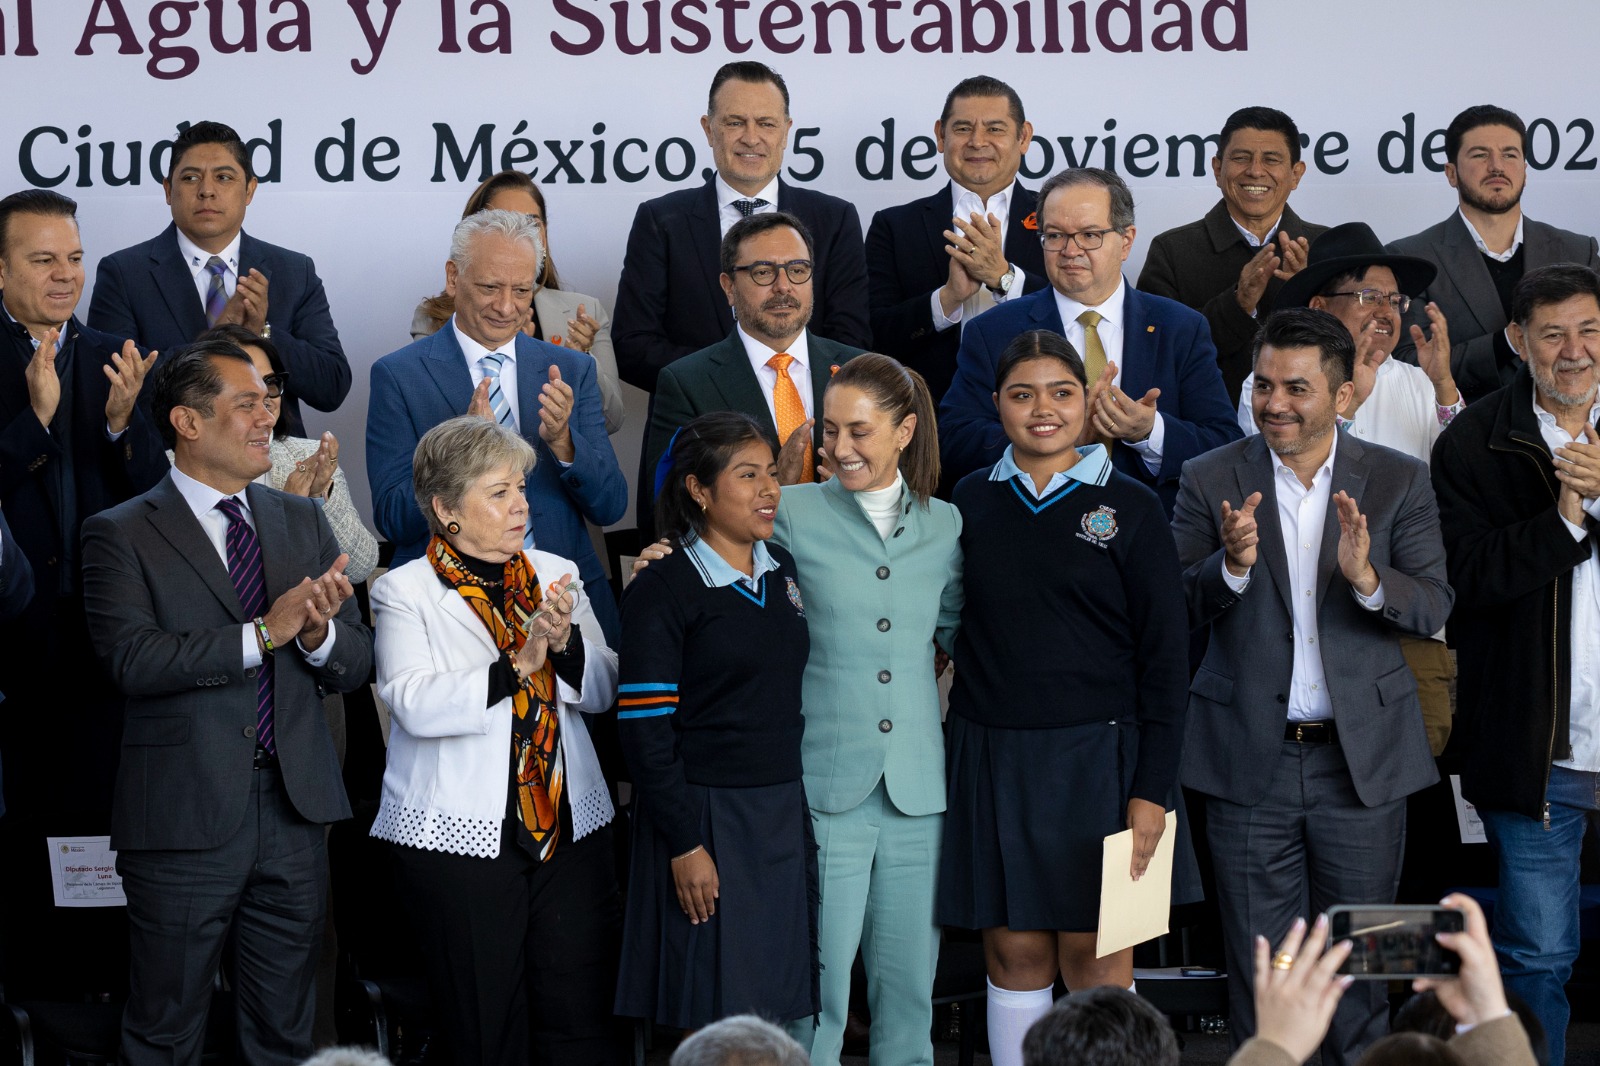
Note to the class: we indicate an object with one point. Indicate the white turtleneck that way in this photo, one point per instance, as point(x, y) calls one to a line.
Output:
point(882, 506)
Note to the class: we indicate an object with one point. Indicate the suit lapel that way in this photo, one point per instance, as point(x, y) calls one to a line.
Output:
point(705, 227)
point(173, 519)
point(1044, 312)
point(936, 216)
point(447, 365)
point(175, 282)
point(1464, 263)
point(533, 373)
point(1257, 474)
point(1136, 368)
point(1018, 236)
point(253, 254)
point(1350, 477)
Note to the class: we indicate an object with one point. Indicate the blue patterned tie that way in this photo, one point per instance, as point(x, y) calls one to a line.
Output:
point(217, 294)
point(244, 567)
point(491, 365)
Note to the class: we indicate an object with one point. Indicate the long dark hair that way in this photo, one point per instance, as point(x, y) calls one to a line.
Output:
point(703, 448)
point(898, 391)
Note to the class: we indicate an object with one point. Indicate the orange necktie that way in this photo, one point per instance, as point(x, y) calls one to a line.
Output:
point(790, 410)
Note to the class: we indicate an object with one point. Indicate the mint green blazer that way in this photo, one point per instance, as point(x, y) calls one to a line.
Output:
point(874, 608)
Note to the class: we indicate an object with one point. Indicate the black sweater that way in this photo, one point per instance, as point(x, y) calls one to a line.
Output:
point(1074, 614)
point(710, 686)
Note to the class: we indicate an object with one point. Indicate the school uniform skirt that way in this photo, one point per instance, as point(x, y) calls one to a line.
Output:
point(1027, 817)
point(758, 952)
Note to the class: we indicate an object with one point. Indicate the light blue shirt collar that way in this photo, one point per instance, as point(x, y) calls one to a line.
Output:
point(1092, 468)
point(716, 572)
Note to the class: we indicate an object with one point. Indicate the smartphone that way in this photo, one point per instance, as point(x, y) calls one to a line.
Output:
point(1396, 941)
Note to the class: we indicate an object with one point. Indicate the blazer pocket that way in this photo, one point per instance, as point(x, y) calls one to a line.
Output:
point(1397, 686)
point(1208, 684)
point(168, 729)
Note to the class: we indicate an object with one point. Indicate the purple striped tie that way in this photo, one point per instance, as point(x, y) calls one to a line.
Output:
point(217, 294)
point(244, 567)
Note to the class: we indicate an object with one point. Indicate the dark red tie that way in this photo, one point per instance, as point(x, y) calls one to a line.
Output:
point(244, 567)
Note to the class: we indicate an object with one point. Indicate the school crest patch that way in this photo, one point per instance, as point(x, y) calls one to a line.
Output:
point(794, 596)
point(1099, 525)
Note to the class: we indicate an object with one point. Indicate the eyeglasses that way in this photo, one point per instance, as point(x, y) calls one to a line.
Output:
point(276, 384)
point(765, 273)
point(1372, 298)
point(1087, 240)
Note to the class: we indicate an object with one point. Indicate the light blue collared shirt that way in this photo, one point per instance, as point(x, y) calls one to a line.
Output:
point(717, 572)
point(1092, 468)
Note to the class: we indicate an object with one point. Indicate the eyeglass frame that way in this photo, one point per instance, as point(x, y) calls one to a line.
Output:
point(787, 267)
point(1397, 300)
point(280, 381)
point(1076, 238)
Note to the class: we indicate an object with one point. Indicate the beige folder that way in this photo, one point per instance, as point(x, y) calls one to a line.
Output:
point(1132, 912)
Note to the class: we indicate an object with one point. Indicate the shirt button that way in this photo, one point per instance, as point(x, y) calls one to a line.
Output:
point(1314, 688)
point(250, 731)
point(885, 725)
point(1311, 640)
point(884, 676)
point(883, 625)
point(883, 573)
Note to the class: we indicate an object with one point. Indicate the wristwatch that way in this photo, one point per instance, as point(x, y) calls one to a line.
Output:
point(1006, 281)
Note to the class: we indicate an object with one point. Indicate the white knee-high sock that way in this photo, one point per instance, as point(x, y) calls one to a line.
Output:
point(1011, 1014)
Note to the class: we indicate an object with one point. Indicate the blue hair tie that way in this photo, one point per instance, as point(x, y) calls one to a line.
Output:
point(664, 464)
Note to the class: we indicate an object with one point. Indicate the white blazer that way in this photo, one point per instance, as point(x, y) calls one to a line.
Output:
point(449, 766)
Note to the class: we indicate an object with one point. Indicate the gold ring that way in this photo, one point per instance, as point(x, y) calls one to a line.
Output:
point(1283, 961)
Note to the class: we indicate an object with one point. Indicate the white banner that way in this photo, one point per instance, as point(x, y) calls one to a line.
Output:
point(372, 119)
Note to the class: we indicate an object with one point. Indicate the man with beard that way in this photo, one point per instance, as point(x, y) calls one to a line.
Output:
point(771, 367)
point(1485, 248)
point(1518, 481)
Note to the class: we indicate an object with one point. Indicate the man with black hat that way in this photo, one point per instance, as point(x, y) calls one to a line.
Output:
point(1396, 404)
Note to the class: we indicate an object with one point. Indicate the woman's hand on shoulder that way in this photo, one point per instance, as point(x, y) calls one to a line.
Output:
point(651, 552)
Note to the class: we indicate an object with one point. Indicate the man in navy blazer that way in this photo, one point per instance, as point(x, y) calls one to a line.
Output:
point(934, 263)
point(552, 398)
point(1155, 391)
point(204, 269)
point(669, 301)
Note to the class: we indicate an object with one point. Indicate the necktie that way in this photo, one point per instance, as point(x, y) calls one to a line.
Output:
point(746, 208)
point(491, 365)
point(1094, 355)
point(244, 567)
point(789, 409)
point(217, 294)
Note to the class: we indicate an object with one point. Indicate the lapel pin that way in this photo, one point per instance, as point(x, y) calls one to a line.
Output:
point(1149, 329)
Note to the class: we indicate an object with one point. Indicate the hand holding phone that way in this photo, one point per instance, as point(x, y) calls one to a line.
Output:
point(1397, 941)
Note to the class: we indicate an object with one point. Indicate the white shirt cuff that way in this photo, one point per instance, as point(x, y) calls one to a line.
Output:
point(115, 436)
point(1373, 602)
point(1236, 584)
point(1592, 507)
point(1150, 449)
point(325, 649)
point(252, 647)
point(941, 321)
point(1578, 532)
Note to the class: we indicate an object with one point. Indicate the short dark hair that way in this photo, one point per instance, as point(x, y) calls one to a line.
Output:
point(1481, 115)
point(208, 132)
point(745, 70)
point(1261, 118)
point(1039, 344)
point(247, 338)
point(1409, 1049)
point(1307, 327)
point(703, 448)
point(34, 202)
point(984, 85)
point(1121, 195)
point(754, 225)
point(189, 378)
point(1101, 1027)
point(1552, 284)
point(898, 391)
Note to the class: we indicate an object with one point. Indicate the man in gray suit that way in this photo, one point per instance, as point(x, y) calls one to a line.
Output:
point(1305, 734)
point(1484, 248)
point(211, 600)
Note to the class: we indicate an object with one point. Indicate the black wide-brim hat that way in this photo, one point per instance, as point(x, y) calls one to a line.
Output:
point(1346, 248)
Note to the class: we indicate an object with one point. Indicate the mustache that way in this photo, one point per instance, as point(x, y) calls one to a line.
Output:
point(779, 303)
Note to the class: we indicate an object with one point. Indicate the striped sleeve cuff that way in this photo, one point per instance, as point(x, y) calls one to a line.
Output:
point(646, 700)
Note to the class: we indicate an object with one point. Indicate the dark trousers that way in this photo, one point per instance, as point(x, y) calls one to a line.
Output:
point(521, 955)
point(1309, 844)
point(268, 885)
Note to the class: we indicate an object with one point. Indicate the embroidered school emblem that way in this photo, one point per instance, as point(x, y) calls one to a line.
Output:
point(794, 596)
point(1100, 524)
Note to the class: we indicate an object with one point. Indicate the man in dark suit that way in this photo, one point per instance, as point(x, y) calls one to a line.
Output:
point(482, 363)
point(16, 590)
point(204, 270)
point(1230, 264)
point(1485, 247)
point(1155, 393)
point(669, 303)
point(768, 285)
point(1305, 734)
point(936, 262)
point(212, 599)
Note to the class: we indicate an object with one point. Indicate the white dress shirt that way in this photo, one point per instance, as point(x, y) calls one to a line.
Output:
point(1251, 239)
point(197, 257)
point(202, 500)
point(964, 204)
point(1110, 329)
point(1477, 238)
point(473, 351)
point(799, 370)
point(1302, 516)
point(727, 214)
point(1584, 635)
